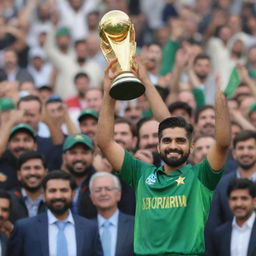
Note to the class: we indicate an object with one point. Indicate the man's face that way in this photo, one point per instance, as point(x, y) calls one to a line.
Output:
point(105, 195)
point(174, 146)
point(88, 126)
point(10, 60)
point(241, 203)
point(63, 42)
point(4, 210)
point(245, 153)
point(78, 160)
point(202, 68)
point(253, 118)
point(206, 122)
point(148, 135)
point(182, 112)
point(32, 113)
point(133, 113)
point(31, 174)
point(201, 148)
point(153, 57)
point(81, 50)
point(93, 99)
point(123, 136)
point(56, 110)
point(58, 196)
point(82, 85)
point(21, 142)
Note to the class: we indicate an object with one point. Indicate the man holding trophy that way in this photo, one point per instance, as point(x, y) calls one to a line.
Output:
point(172, 201)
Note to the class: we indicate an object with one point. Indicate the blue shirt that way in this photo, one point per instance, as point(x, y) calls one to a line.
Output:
point(32, 206)
point(113, 229)
point(69, 233)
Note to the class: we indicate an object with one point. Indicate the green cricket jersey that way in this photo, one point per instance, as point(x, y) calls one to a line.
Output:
point(171, 209)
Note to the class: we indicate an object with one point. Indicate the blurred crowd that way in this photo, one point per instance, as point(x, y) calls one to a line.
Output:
point(51, 75)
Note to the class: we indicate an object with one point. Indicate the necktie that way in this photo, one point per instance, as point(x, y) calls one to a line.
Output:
point(62, 248)
point(106, 238)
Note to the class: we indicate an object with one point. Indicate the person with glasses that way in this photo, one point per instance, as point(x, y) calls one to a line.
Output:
point(116, 228)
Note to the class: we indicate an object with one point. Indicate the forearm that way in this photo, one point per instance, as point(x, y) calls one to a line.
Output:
point(57, 135)
point(222, 122)
point(105, 127)
point(4, 136)
point(240, 119)
point(157, 105)
point(71, 129)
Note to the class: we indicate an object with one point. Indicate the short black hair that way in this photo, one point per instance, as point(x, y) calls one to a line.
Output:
point(30, 98)
point(81, 74)
point(201, 56)
point(200, 110)
point(123, 120)
point(244, 135)
point(59, 175)
point(242, 183)
point(28, 155)
point(173, 122)
point(180, 105)
point(4, 194)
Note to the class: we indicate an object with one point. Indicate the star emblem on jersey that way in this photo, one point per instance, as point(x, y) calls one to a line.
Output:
point(180, 180)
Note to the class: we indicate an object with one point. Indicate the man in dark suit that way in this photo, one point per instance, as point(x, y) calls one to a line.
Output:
point(5, 209)
point(57, 231)
point(116, 228)
point(238, 237)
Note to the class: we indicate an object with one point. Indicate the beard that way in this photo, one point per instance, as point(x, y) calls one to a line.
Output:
point(202, 76)
point(60, 209)
point(174, 161)
point(75, 172)
point(29, 188)
point(246, 166)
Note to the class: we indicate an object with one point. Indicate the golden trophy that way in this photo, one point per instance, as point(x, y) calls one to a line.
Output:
point(118, 41)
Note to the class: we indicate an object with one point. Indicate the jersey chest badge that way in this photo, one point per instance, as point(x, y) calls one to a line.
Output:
point(151, 179)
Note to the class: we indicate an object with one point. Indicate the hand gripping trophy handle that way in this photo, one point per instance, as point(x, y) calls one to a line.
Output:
point(118, 41)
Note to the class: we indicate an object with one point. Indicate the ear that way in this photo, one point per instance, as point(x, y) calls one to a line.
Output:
point(192, 147)
point(18, 175)
point(254, 202)
point(234, 153)
point(135, 140)
point(158, 147)
point(73, 194)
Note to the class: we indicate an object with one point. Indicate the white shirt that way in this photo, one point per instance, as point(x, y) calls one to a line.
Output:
point(69, 233)
point(240, 237)
point(113, 229)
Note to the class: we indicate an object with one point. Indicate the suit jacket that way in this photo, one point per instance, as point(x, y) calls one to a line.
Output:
point(87, 209)
point(19, 208)
point(222, 240)
point(3, 240)
point(30, 237)
point(125, 234)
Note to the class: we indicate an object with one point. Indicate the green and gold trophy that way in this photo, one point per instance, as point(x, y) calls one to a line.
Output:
point(118, 42)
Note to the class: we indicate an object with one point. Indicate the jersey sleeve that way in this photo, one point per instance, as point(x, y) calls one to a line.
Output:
point(132, 169)
point(208, 177)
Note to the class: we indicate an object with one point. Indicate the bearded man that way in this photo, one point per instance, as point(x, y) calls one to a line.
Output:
point(78, 156)
point(173, 200)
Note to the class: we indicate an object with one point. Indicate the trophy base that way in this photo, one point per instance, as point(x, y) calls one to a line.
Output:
point(126, 87)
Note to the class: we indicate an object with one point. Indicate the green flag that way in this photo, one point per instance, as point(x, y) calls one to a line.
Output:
point(233, 82)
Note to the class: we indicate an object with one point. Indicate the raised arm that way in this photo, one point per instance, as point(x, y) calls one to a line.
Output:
point(104, 137)
point(157, 105)
point(218, 152)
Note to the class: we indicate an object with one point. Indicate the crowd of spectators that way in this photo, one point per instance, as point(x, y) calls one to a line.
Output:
point(51, 76)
